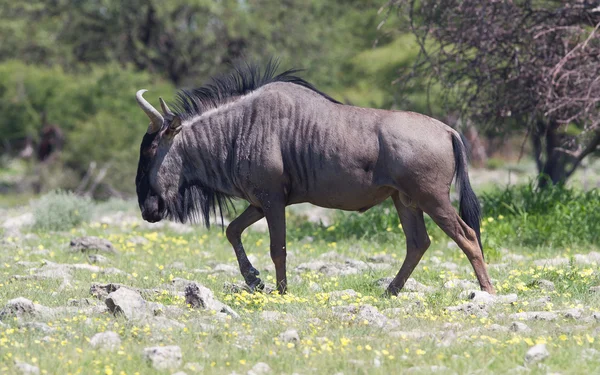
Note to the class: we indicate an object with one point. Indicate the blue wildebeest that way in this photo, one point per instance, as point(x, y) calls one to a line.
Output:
point(275, 140)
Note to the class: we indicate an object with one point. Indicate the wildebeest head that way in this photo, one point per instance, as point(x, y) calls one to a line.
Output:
point(159, 171)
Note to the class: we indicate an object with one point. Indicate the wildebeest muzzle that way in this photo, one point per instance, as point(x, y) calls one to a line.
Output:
point(153, 208)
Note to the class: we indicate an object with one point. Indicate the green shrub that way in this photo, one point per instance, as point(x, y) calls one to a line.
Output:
point(557, 216)
point(60, 210)
point(515, 216)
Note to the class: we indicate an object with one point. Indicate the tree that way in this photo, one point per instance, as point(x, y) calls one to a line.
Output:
point(514, 64)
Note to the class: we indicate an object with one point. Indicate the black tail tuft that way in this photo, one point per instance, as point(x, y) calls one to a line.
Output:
point(469, 208)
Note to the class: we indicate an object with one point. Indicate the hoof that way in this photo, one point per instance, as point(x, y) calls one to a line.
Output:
point(255, 285)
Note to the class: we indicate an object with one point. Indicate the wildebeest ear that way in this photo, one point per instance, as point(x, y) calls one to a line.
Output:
point(175, 125)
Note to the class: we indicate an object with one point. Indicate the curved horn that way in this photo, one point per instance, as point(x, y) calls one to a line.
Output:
point(165, 107)
point(155, 116)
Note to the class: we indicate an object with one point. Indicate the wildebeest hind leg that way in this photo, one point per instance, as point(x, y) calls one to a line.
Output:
point(275, 214)
point(417, 242)
point(234, 234)
point(446, 217)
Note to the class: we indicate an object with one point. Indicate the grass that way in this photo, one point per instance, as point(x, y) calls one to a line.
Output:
point(329, 344)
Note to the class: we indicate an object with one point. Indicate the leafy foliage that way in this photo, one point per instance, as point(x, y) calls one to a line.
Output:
point(556, 216)
point(60, 210)
point(96, 110)
point(519, 215)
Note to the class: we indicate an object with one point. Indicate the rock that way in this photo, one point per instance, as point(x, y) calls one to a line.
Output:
point(590, 354)
point(22, 307)
point(101, 291)
point(343, 294)
point(488, 299)
point(384, 282)
point(26, 368)
point(199, 296)
point(259, 369)
point(449, 266)
point(412, 285)
point(373, 316)
point(270, 316)
point(42, 327)
point(519, 327)
point(572, 313)
point(536, 353)
point(177, 266)
point(410, 335)
point(314, 287)
point(138, 240)
point(589, 258)
point(128, 303)
point(99, 259)
point(543, 284)
point(180, 373)
point(193, 367)
point(498, 328)
point(92, 244)
point(428, 370)
point(482, 297)
point(535, 315)
point(349, 267)
point(381, 258)
point(13, 225)
point(291, 335)
point(163, 357)
point(108, 340)
point(512, 257)
point(460, 284)
point(595, 289)
point(551, 262)
point(225, 268)
point(162, 323)
point(470, 308)
point(540, 302)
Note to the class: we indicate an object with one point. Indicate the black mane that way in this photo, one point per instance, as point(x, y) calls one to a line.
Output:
point(244, 78)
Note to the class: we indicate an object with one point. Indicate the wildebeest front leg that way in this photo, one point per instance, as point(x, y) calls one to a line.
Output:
point(234, 234)
point(275, 215)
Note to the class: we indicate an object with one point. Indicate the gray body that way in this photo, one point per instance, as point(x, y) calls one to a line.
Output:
point(284, 144)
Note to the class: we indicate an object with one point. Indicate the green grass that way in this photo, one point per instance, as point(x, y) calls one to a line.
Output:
point(329, 345)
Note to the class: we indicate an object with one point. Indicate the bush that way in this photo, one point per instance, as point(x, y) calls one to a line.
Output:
point(96, 111)
point(60, 210)
point(554, 216)
point(515, 216)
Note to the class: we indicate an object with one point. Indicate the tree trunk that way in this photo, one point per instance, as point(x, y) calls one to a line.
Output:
point(552, 165)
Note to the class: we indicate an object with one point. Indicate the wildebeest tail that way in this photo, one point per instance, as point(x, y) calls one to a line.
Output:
point(469, 208)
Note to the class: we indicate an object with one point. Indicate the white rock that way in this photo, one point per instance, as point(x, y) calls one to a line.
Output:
point(544, 284)
point(551, 262)
point(108, 340)
point(535, 315)
point(270, 316)
point(199, 296)
point(460, 284)
point(519, 327)
point(413, 285)
point(22, 307)
point(536, 353)
point(291, 335)
point(572, 313)
point(194, 367)
point(163, 357)
point(26, 368)
point(259, 369)
point(127, 302)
